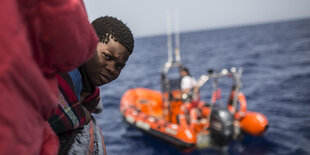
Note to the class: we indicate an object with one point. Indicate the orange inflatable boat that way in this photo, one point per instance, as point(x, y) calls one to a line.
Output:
point(202, 125)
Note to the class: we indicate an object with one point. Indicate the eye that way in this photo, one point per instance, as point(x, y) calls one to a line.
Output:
point(106, 56)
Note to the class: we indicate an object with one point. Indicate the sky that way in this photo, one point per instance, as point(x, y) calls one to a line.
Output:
point(147, 18)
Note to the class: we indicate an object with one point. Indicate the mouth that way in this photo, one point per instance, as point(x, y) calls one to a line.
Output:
point(104, 78)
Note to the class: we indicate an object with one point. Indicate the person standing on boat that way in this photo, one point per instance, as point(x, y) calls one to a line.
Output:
point(190, 98)
point(79, 94)
point(187, 85)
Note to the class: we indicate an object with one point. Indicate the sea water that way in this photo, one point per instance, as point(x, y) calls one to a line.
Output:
point(275, 59)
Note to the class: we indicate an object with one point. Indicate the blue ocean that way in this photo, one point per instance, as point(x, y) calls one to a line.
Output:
point(275, 58)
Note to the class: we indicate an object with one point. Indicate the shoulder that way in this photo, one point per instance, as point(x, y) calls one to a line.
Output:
point(185, 78)
point(65, 80)
point(75, 75)
point(77, 81)
point(72, 80)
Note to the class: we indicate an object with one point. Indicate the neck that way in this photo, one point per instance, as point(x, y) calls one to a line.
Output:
point(87, 84)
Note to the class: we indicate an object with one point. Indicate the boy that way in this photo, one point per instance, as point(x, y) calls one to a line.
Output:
point(78, 93)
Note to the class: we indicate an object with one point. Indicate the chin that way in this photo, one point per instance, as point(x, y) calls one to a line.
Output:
point(98, 84)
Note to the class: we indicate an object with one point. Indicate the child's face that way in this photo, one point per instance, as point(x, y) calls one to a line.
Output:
point(107, 62)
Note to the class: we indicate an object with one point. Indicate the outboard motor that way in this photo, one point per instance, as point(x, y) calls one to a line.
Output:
point(221, 126)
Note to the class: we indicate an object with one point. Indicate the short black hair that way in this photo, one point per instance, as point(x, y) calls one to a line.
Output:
point(185, 70)
point(108, 26)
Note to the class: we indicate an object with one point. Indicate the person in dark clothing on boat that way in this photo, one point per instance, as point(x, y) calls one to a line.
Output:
point(78, 95)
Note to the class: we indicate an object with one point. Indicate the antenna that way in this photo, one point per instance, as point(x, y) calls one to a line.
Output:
point(177, 37)
point(169, 40)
